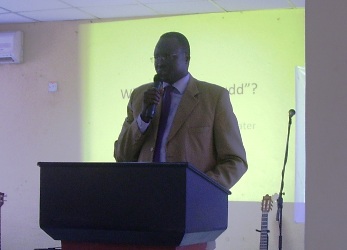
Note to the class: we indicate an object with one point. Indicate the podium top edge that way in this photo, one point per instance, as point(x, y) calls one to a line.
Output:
point(134, 164)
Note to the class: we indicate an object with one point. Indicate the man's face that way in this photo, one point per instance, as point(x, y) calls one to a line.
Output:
point(171, 63)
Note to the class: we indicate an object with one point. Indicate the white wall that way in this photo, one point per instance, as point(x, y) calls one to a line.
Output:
point(40, 126)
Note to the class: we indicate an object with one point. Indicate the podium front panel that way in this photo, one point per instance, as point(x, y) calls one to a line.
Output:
point(130, 203)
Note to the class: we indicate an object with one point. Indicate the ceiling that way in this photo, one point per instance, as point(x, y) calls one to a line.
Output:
point(26, 11)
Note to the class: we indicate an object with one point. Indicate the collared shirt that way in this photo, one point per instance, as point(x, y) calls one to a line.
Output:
point(180, 87)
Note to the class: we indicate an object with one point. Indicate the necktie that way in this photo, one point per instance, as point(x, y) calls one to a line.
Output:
point(165, 110)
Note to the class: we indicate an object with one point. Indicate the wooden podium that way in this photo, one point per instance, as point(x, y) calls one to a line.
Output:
point(130, 206)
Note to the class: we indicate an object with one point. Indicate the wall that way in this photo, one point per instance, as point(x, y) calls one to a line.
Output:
point(326, 137)
point(36, 125)
point(41, 126)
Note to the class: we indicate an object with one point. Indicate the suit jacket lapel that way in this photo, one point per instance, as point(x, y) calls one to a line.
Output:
point(188, 102)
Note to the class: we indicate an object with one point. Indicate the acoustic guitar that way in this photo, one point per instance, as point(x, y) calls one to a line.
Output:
point(266, 206)
point(2, 199)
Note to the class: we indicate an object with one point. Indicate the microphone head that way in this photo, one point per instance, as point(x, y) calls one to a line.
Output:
point(157, 82)
point(291, 113)
point(156, 78)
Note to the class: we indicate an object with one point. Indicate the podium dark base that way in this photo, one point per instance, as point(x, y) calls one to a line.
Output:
point(67, 245)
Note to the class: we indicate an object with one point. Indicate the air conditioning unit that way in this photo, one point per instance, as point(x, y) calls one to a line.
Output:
point(11, 47)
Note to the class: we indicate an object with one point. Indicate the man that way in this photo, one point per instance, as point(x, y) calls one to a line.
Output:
point(201, 127)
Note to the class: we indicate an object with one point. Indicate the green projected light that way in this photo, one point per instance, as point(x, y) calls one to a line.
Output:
point(252, 54)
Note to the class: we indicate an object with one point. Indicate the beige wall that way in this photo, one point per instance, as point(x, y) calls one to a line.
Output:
point(36, 125)
point(41, 126)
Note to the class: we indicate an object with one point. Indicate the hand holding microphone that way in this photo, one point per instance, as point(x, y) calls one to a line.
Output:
point(151, 99)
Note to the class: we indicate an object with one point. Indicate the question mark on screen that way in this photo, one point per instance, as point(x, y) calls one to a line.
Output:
point(255, 86)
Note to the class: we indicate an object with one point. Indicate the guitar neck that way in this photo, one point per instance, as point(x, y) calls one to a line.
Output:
point(0, 228)
point(266, 206)
point(264, 232)
point(2, 196)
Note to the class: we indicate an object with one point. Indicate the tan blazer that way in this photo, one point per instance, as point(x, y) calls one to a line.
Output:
point(204, 133)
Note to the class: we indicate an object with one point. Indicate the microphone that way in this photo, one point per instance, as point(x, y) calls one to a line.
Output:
point(157, 83)
point(291, 113)
point(281, 193)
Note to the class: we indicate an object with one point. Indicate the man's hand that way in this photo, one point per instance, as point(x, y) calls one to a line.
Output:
point(151, 96)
